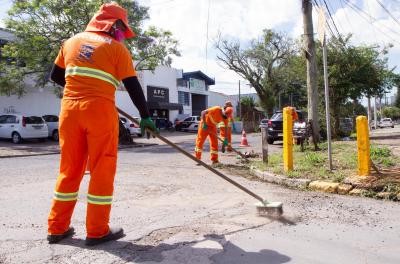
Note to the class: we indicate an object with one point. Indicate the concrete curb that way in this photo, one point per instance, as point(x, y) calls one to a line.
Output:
point(278, 179)
point(322, 186)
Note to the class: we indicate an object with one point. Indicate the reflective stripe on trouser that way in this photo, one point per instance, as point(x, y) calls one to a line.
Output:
point(94, 73)
point(202, 135)
point(87, 128)
point(229, 136)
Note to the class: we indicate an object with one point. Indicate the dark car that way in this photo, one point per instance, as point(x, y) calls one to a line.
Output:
point(275, 125)
point(185, 124)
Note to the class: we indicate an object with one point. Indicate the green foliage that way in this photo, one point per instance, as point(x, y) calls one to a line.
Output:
point(248, 101)
point(383, 156)
point(40, 27)
point(391, 111)
point(260, 63)
point(354, 71)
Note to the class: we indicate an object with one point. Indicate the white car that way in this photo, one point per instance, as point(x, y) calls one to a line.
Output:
point(131, 127)
point(386, 122)
point(52, 124)
point(19, 127)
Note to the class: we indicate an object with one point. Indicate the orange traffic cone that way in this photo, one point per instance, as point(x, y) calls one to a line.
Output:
point(244, 140)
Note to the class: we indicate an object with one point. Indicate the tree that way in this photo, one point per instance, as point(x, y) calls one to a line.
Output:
point(354, 71)
point(40, 27)
point(391, 112)
point(259, 63)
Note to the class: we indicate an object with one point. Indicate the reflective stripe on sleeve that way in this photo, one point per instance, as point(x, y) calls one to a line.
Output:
point(94, 73)
point(221, 124)
point(100, 200)
point(65, 197)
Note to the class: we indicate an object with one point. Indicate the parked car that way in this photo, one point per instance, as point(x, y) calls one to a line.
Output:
point(19, 127)
point(275, 125)
point(386, 122)
point(190, 123)
point(131, 127)
point(346, 126)
point(52, 125)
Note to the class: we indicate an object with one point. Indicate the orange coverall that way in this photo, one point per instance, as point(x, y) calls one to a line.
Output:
point(212, 118)
point(94, 65)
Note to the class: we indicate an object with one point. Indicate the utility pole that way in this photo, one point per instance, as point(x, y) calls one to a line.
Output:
point(312, 91)
point(369, 112)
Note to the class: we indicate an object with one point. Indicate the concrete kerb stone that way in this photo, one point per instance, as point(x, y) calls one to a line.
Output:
point(278, 179)
point(355, 189)
point(329, 187)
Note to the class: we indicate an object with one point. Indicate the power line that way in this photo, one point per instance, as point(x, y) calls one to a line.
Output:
point(362, 14)
point(330, 15)
point(387, 11)
point(327, 21)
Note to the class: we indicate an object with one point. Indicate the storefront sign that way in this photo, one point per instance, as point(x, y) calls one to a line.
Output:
point(156, 94)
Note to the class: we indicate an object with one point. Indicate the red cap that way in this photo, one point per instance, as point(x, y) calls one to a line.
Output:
point(106, 17)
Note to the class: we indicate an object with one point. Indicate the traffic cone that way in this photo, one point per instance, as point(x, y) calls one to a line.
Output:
point(244, 140)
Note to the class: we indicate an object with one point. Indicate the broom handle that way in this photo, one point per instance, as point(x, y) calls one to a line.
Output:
point(190, 156)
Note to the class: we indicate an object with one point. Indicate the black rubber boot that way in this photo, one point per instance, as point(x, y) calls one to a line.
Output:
point(57, 238)
point(114, 234)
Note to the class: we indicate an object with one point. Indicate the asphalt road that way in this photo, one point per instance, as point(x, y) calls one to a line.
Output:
point(176, 212)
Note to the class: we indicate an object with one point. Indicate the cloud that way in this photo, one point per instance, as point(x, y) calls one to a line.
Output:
point(245, 20)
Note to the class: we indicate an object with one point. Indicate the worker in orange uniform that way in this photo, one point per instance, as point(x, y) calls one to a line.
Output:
point(210, 118)
point(295, 116)
point(230, 125)
point(90, 66)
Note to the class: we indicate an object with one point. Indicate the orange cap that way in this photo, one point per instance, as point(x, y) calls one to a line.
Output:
point(106, 17)
point(229, 111)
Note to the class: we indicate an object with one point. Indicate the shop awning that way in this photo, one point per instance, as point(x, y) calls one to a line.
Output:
point(164, 105)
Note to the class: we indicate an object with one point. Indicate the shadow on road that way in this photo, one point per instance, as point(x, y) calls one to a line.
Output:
point(227, 252)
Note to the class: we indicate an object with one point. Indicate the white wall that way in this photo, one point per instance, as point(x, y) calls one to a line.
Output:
point(215, 98)
point(163, 77)
point(35, 102)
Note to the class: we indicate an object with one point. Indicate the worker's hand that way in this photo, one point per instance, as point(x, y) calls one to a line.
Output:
point(225, 142)
point(233, 127)
point(149, 124)
point(204, 126)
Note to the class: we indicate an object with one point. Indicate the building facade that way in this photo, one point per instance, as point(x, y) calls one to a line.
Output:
point(170, 93)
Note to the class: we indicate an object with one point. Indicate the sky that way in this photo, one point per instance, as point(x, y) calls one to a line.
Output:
point(197, 23)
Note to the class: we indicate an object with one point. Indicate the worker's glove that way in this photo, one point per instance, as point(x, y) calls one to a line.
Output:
point(149, 124)
point(204, 126)
point(233, 127)
point(225, 142)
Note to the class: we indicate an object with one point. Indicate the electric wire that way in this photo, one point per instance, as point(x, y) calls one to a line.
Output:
point(387, 11)
point(331, 17)
point(365, 16)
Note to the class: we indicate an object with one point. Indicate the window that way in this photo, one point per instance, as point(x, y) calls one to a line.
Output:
point(11, 120)
point(33, 120)
point(181, 82)
point(3, 119)
point(183, 98)
point(50, 118)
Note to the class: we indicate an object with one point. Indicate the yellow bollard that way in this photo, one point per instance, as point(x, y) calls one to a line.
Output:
point(364, 161)
point(287, 139)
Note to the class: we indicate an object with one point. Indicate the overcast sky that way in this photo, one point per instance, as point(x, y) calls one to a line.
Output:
point(190, 20)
